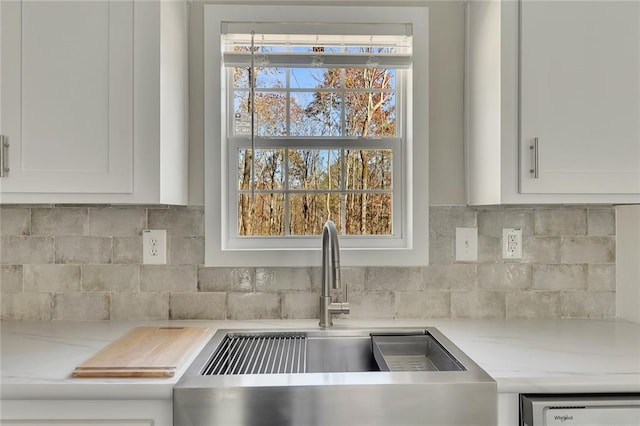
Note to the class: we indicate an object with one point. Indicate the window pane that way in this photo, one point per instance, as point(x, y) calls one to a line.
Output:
point(315, 114)
point(262, 215)
point(271, 113)
point(370, 78)
point(269, 169)
point(241, 77)
point(309, 212)
point(311, 78)
point(310, 169)
point(368, 214)
point(370, 114)
point(377, 173)
point(269, 77)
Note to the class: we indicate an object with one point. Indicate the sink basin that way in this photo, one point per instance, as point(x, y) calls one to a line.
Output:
point(340, 354)
point(335, 376)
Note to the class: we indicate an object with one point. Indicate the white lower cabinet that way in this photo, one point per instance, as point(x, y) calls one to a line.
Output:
point(86, 412)
point(508, 409)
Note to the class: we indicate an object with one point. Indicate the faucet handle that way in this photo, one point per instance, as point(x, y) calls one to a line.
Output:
point(339, 308)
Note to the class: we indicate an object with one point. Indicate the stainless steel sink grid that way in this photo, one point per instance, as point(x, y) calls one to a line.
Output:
point(346, 377)
point(270, 353)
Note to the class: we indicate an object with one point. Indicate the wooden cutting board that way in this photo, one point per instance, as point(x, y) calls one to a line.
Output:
point(144, 352)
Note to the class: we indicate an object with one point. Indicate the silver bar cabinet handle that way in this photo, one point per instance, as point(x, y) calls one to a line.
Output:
point(4, 144)
point(534, 158)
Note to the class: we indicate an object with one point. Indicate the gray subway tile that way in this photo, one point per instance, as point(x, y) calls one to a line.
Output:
point(81, 307)
point(186, 250)
point(422, 304)
point(127, 250)
point(352, 278)
point(60, 221)
point(15, 221)
point(441, 250)
point(443, 221)
point(206, 306)
point(185, 222)
point(560, 277)
point(588, 250)
point(560, 221)
point(26, 306)
point(225, 279)
point(489, 249)
point(23, 250)
point(11, 278)
point(478, 304)
point(117, 222)
point(372, 305)
point(83, 249)
point(533, 304)
point(300, 305)
point(245, 306)
point(491, 222)
point(588, 304)
point(601, 222)
point(170, 278)
point(139, 306)
point(451, 277)
point(509, 276)
point(602, 277)
point(393, 279)
point(114, 278)
point(51, 278)
point(541, 249)
point(283, 279)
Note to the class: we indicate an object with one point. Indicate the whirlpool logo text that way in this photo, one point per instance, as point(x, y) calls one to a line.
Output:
point(563, 419)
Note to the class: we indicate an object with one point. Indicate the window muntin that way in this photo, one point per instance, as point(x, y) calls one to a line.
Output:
point(327, 143)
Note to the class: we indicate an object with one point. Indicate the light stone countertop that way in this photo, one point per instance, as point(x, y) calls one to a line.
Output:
point(37, 358)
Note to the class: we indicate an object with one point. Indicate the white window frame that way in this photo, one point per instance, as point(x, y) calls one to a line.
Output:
point(410, 246)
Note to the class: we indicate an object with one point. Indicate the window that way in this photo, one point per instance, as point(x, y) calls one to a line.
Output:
point(310, 116)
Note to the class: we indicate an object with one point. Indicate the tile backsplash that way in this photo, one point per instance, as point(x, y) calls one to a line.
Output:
point(84, 263)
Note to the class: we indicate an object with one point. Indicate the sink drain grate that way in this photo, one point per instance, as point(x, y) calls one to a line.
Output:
point(278, 353)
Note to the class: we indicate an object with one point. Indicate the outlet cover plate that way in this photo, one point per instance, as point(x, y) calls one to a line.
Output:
point(511, 243)
point(154, 246)
point(466, 244)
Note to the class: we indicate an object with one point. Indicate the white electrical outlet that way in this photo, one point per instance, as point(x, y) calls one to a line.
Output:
point(154, 246)
point(511, 243)
point(466, 244)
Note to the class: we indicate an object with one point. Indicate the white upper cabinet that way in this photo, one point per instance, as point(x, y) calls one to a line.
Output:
point(553, 111)
point(93, 101)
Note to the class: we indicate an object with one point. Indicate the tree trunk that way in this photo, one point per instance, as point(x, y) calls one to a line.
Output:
point(364, 157)
point(245, 203)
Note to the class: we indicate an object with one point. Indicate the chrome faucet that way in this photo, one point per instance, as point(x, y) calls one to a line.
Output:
point(330, 275)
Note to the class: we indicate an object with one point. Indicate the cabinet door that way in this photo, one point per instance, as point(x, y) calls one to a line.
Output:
point(90, 412)
point(67, 96)
point(580, 96)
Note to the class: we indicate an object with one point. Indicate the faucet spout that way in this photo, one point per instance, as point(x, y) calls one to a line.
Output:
point(330, 275)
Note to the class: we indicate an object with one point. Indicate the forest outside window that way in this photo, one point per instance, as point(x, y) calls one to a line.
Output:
point(325, 138)
point(315, 124)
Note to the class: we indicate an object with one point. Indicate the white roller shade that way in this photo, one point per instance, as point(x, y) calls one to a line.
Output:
point(298, 45)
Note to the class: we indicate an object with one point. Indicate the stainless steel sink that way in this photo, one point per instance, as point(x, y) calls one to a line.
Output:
point(340, 355)
point(334, 377)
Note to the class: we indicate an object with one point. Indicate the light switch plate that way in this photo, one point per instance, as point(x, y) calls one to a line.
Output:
point(154, 246)
point(511, 243)
point(466, 244)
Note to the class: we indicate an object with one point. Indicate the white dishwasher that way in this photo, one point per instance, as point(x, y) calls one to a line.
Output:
point(580, 410)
